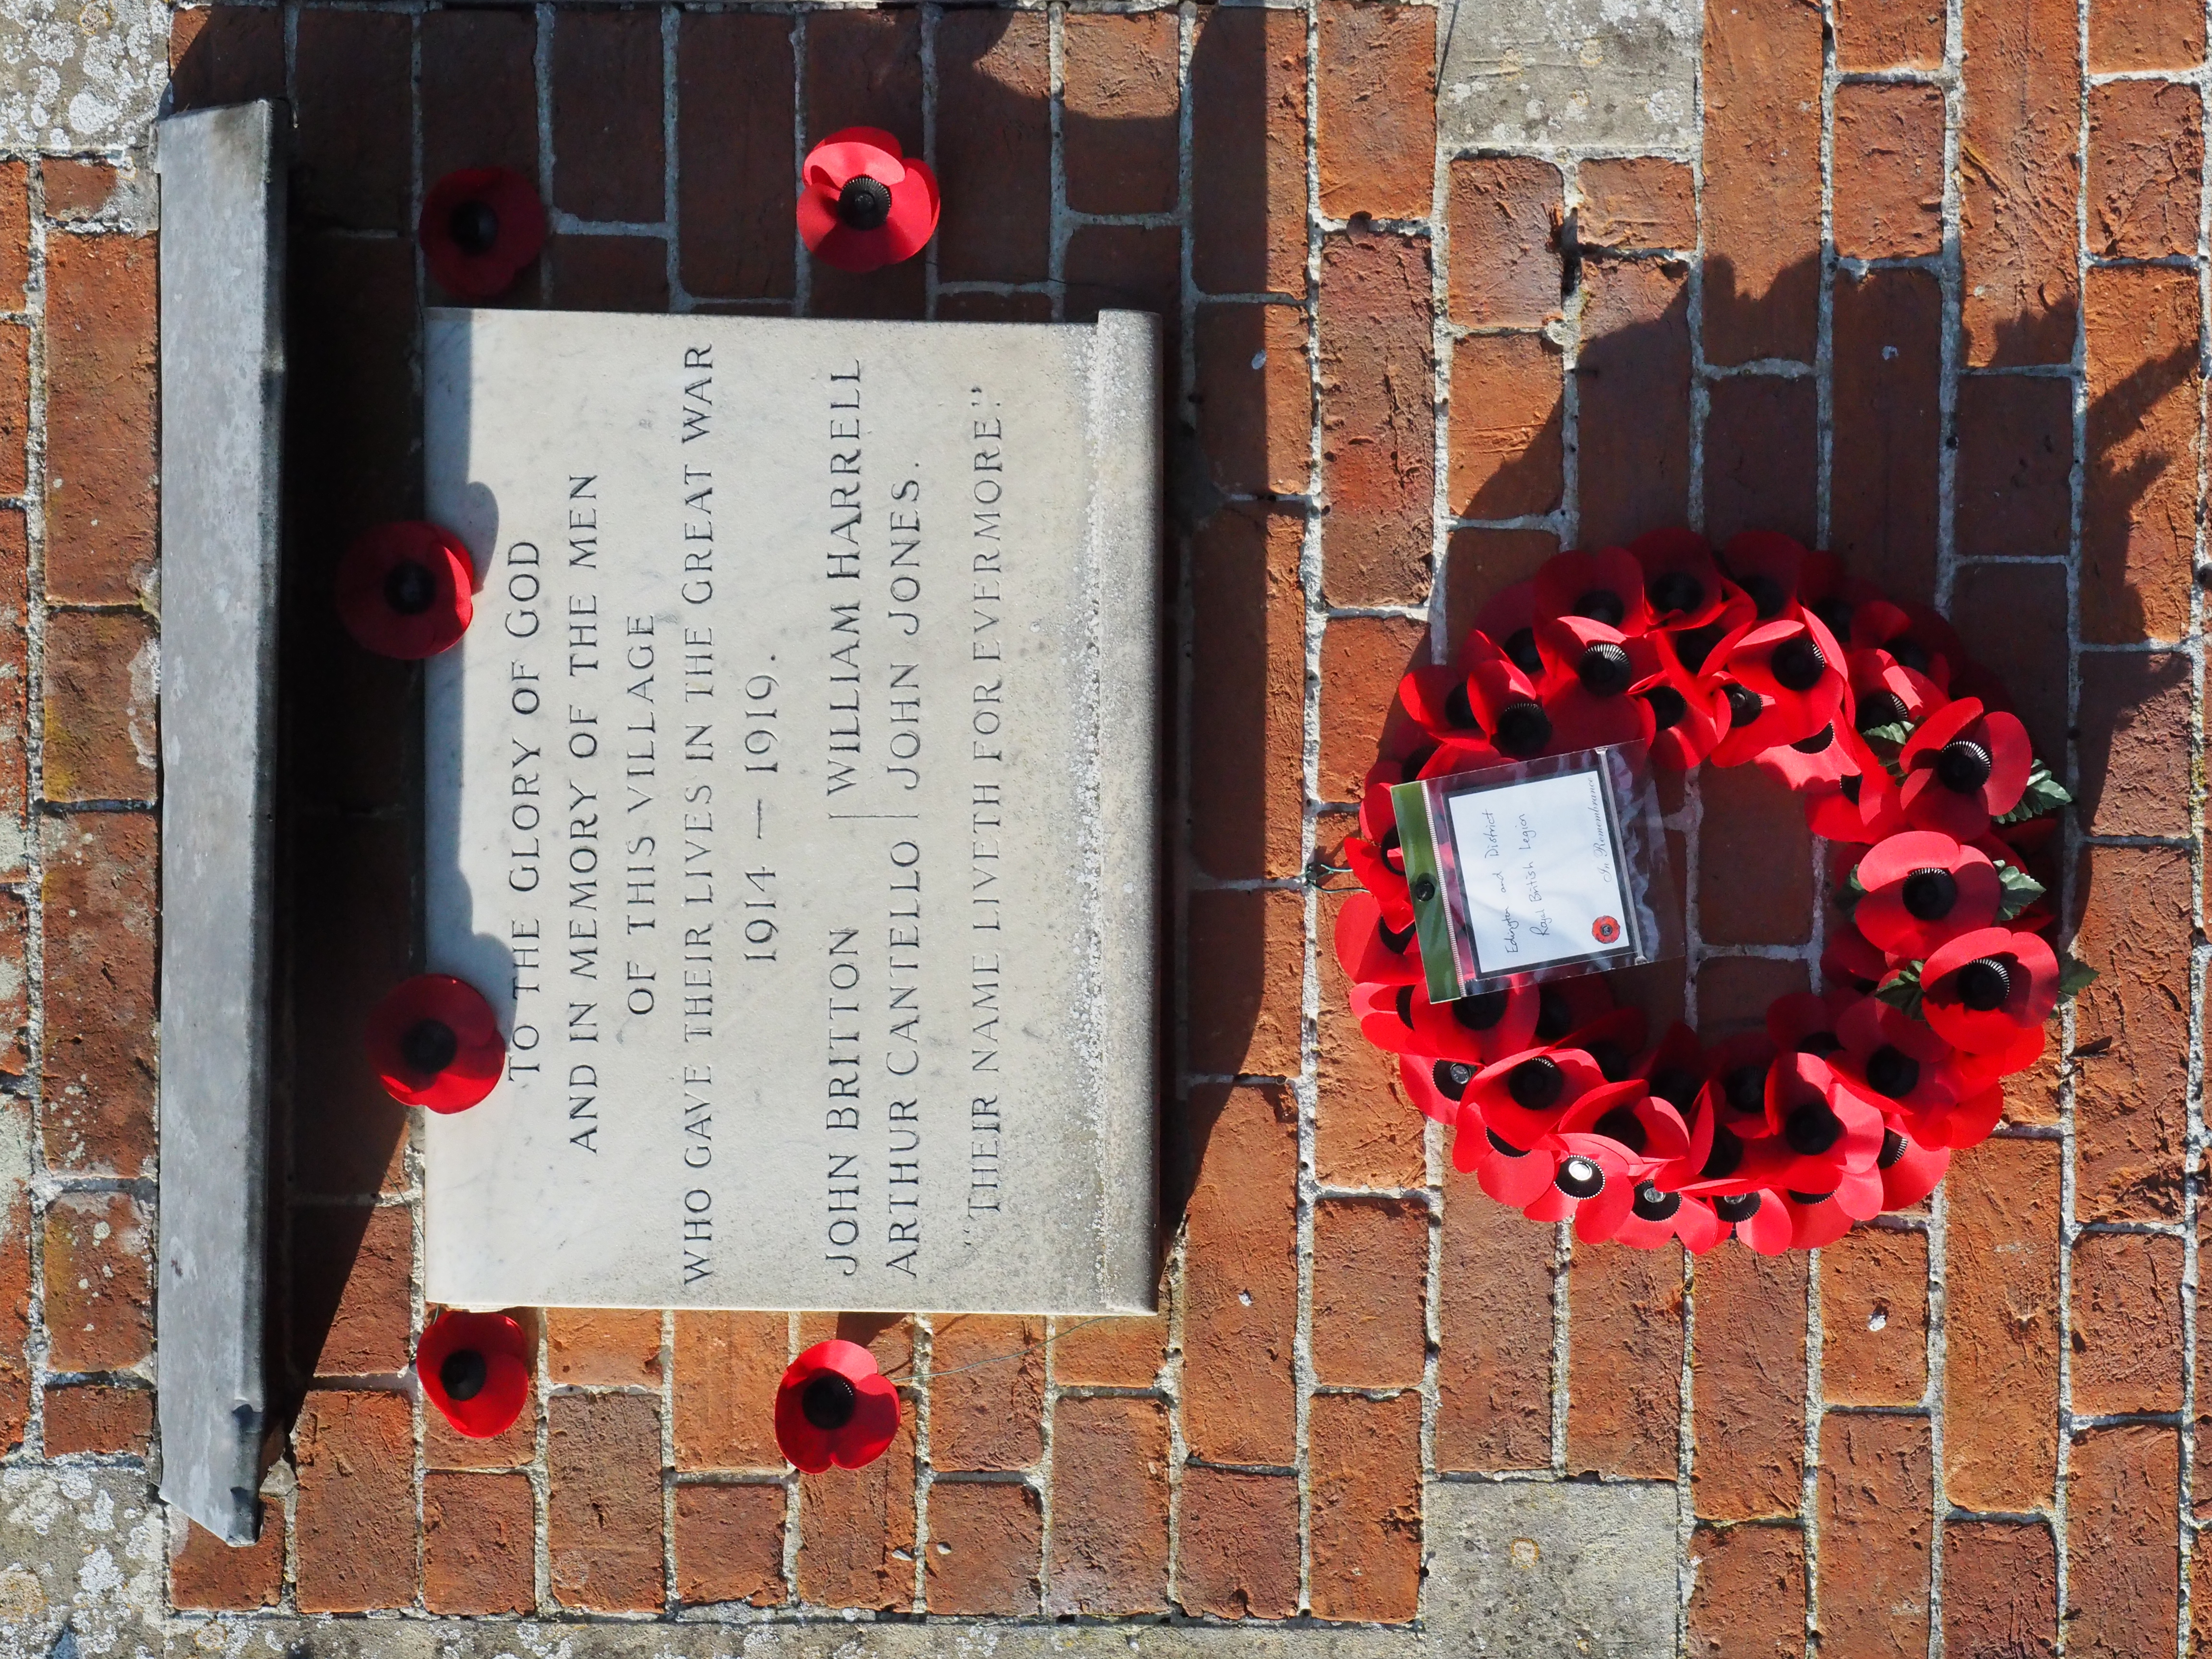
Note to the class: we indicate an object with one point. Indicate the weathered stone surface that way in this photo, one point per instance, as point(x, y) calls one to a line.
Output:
point(1590, 73)
point(81, 1560)
point(1551, 1568)
point(80, 78)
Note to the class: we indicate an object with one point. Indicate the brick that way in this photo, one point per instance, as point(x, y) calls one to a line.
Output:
point(1873, 1316)
point(1761, 446)
point(1504, 213)
point(1367, 1131)
point(14, 407)
point(990, 1415)
point(101, 384)
point(735, 159)
point(1237, 1546)
point(1254, 397)
point(1632, 377)
point(1747, 1385)
point(727, 1364)
point(354, 904)
point(16, 232)
point(479, 1544)
point(1121, 107)
point(15, 1361)
point(2002, 1316)
point(602, 1512)
point(206, 1574)
point(2131, 1034)
point(102, 693)
point(888, 1337)
point(1762, 169)
point(2032, 1096)
point(2143, 34)
point(1875, 1503)
point(729, 1545)
point(1019, 308)
point(353, 1521)
point(1125, 1353)
point(1888, 431)
point(1248, 152)
point(1506, 452)
point(1244, 990)
point(2015, 456)
point(2123, 1554)
point(1376, 129)
point(2018, 170)
point(1362, 659)
point(994, 146)
point(76, 190)
point(1480, 562)
point(479, 92)
point(445, 1446)
point(1248, 695)
point(608, 162)
point(94, 1418)
point(1129, 268)
point(863, 69)
point(1369, 1302)
point(609, 1345)
point(2016, 614)
point(1494, 1362)
point(1110, 1536)
point(2145, 169)
point(1636, 202)
point(1365, 1461)
point(1624, 1360)
point(1748, 1597)
point(2127, 1324)
point(986, 1541)
point(352, 1270)
point(351, 143)
point(2000, 1590)
point(608, 273)
point(2133, 730)
point(856, 1529)
point(1753, 854)
point(226, 55)
point(99, 1282)
point(1240, 1274)
point(1889, 170)
point(1872, 35)
point(1734, 992)
point(2139, 493)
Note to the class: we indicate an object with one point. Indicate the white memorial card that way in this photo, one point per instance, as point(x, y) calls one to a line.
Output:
point(1540, 871)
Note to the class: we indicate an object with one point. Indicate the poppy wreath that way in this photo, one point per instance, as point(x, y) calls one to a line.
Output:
point(1851, 1101)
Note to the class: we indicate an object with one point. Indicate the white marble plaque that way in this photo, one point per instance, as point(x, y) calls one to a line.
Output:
point(792, 797)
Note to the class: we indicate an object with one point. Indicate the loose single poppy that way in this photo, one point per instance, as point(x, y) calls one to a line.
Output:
point(435, 1042)
point(475, 1368)
point(1963, 766)
point(1921, 889)
point(1682, 584)
point(1605, 586)
point(1982, 989)
point(405, 589)
point(865, 203)
point(835, 1405)
point(480, 229)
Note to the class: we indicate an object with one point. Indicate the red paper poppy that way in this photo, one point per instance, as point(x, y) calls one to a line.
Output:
point(481, 226)
point(1909, 1171)
point(1472, 1030)
point(1590, 670)
point(475, 1368)
point(1783, 685)
point(1656, 1215)
point(1833, 1131)
point(1982, 989)
point(1916, 643)
point(1817, 762)
point(865, 203)
point(404, 590)
point(435, 1042)
point(1849, 963)
point(1514, 1175)
point(1923, 888)
point(1605, 587)
point(1778, 572)
point(1895, 1063)
point(1507, 615)
point(1508, 709)
point(834, 1406)
point(1372, 869)
point(1964, 766)
point(1759, 1217)
point(1689, 712)
point(1524, 1095)
point(1682, 584)
point(1435, 695)
point(1803, 1023)
point(1885, 693)
point(1371, 952)
point(1649, 1131)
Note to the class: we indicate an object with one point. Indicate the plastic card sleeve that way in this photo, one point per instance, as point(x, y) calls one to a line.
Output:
point(1538, 870)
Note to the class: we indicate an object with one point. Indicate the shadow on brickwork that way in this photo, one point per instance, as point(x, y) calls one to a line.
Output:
point(350, 815)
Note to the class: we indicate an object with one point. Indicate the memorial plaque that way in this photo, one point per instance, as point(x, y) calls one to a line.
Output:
point(792, 797)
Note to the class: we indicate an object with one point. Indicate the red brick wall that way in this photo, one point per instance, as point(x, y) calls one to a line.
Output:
point(1890, 305)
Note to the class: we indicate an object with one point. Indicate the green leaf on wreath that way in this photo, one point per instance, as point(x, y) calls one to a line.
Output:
point(1849, 895)
point(2044, 793)
point(2020, 890)
point(2074, 975)
point(1894, 734)
point(1901, 990)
